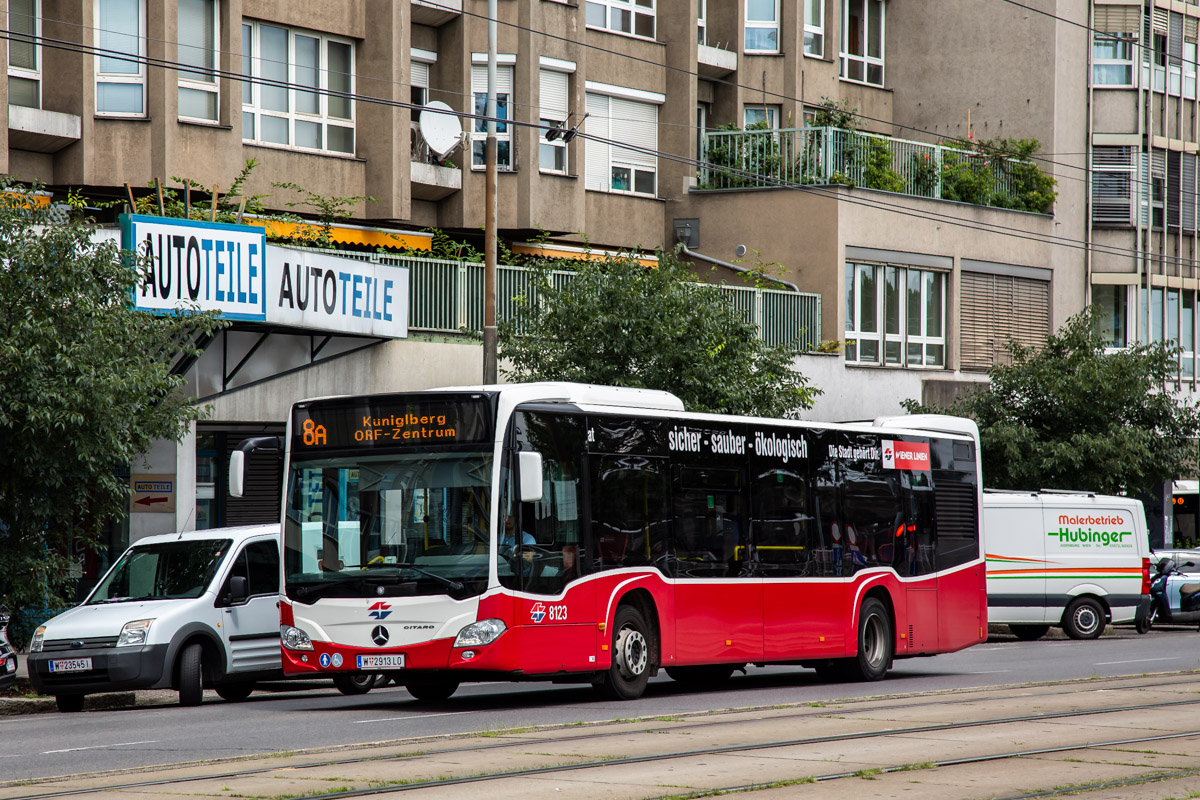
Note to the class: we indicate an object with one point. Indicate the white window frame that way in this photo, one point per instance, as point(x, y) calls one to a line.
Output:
point(867, 61)
point(634, 8)
point(702, 22)
point(556, 117)
point(814, 32)
point(419, 79)
point(1189, 69)
point(111, 78)
point(322, 116)
point(761, 25)
point(1116, 39)
point(600, 150)
point(189, 80)
point(771, 113)
point(931, 347)
point(504, 110)
point(25, 73)
point(1120, 162)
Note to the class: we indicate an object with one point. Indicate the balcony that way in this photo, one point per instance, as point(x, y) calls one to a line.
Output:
point(714, 62)
point(435, 13)
point(751, 159)
point(41, 131)
point(431, 179)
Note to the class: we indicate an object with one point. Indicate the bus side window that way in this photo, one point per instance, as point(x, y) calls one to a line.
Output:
point(782, 522)
point(871, 508)
point(710, 531)
point(630, 518)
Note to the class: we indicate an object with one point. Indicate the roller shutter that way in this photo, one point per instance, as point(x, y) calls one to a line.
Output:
point(995, 308)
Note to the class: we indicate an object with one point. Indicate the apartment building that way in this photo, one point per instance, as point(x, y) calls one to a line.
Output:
point(647, 103)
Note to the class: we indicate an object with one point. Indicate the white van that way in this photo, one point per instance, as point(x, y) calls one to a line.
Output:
point(178, 611)
point(1069, 559)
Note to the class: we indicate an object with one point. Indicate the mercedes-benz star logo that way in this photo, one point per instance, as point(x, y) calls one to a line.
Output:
point(379, 635)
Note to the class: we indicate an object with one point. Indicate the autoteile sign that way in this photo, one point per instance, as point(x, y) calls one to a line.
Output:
point(232, 270)
point(905, 455)
point(152, 493)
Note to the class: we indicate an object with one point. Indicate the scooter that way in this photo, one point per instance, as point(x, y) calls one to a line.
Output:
point(1174, 596)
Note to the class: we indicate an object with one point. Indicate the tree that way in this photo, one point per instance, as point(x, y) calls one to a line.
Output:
point(85, 388)
point(620, 323)
point(1072, 416)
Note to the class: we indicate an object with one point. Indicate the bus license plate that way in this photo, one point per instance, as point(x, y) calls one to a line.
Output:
point(381, 662)
point(71, 665)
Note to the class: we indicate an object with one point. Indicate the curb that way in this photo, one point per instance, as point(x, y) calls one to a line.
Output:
point(15, 706)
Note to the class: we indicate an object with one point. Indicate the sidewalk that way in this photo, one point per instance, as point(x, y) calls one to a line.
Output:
point(21, 699)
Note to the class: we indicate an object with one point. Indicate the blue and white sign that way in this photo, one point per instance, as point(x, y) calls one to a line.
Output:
point(231, 269)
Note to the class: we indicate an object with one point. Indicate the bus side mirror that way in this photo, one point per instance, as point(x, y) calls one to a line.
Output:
point(530, 464)
point(237, 473)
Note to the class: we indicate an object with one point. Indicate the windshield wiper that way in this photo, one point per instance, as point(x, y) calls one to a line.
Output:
point(447, 582)
point(129, 599)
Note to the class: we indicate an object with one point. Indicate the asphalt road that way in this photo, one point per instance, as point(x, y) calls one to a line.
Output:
point(317, 716)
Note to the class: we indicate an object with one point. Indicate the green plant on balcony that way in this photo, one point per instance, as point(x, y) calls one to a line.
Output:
point(1030, 189)
point(876, 159)
point(967, 178)
point(924, 170)
point(735, 162)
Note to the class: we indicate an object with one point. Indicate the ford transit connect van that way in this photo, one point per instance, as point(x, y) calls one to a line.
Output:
point(179, 611)
point(1072, 560)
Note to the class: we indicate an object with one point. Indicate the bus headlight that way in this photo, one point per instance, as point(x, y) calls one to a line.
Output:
point(134, 632)
point(479, 633)
point(35, 644)
point(294, 638)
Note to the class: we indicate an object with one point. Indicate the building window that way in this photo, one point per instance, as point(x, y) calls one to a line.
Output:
point(316, 112)
point(761, 116)
point(862, 41)
point(553, 98)
point(24, 53)
point(504, 131)
point(418, 82)
point(996, 308)
point(762, 26)
point(1110, 304)
point(1112, 59)
point(895, 315)
point(814, 28)
point(617, 121)
point(198, 43)
point(1112, 185)
point(702, 21)
point(121, 82)
point(633, 17)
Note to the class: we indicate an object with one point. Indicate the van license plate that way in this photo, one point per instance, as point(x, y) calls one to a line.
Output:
point(71, 665)
point(381, 662)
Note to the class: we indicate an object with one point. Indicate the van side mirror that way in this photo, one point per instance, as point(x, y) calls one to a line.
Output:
point(530, 464)
point(239, 590)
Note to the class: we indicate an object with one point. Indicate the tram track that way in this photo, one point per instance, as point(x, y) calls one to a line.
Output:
point(833, 709)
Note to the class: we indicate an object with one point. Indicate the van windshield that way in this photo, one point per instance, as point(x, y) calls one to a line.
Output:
point(163, 571)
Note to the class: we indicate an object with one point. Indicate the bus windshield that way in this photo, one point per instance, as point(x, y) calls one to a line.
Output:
point(388, 526)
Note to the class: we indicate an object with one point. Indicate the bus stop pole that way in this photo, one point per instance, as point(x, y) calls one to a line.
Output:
point(490, 230)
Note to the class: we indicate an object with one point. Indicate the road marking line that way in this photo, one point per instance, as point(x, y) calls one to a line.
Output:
point(412, 716)
point(97, 747)
point(1135, 661)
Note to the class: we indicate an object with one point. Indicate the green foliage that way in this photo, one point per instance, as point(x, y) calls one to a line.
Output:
point(740, 161)
point(967, 178)
point(174, 205)
point(836, 114)
point(877, 166)
point(328, 210)
point(1071, 416)
point(622, 324)
point(979, 176)
point(87, 389)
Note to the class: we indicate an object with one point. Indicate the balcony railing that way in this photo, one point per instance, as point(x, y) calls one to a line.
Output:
point(447, 297)
point(788, 157)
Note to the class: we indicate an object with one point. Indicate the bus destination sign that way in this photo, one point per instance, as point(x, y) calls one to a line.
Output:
point(390, 422)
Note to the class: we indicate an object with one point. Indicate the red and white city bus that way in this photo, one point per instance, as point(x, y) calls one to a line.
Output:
point(595, 534)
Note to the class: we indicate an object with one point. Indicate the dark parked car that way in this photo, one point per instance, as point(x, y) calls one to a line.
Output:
point(8, 659)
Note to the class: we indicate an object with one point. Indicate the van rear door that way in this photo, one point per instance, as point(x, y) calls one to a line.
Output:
point(1016, 560)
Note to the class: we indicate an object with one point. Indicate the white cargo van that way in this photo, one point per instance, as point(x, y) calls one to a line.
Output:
point(1075, 560)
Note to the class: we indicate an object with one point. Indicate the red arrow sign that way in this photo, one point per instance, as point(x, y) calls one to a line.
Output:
point(145, 501)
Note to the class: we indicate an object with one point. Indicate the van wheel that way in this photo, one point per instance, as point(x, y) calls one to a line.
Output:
point(431, 690)
point(191, 678)
point(69, 703)
point(706, 677)
point(875, 643)
point(1029, 633)
point(235, 692)
point(626, 679)
point(1084, 619)
point(356, 683)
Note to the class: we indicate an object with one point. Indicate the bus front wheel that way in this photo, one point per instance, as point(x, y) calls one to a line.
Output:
point(431, 690)
point(626, 679)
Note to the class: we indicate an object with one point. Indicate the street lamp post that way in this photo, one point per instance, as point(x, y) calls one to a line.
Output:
point(490, 231)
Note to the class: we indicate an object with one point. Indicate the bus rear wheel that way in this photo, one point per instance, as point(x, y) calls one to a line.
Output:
point(431, 690)
point(626, 679)
point(876, 643)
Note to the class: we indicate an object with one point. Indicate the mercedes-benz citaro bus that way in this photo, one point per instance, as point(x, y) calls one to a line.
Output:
point(575, 533)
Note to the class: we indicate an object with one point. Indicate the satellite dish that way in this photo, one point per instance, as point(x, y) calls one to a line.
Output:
point(440, 128)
